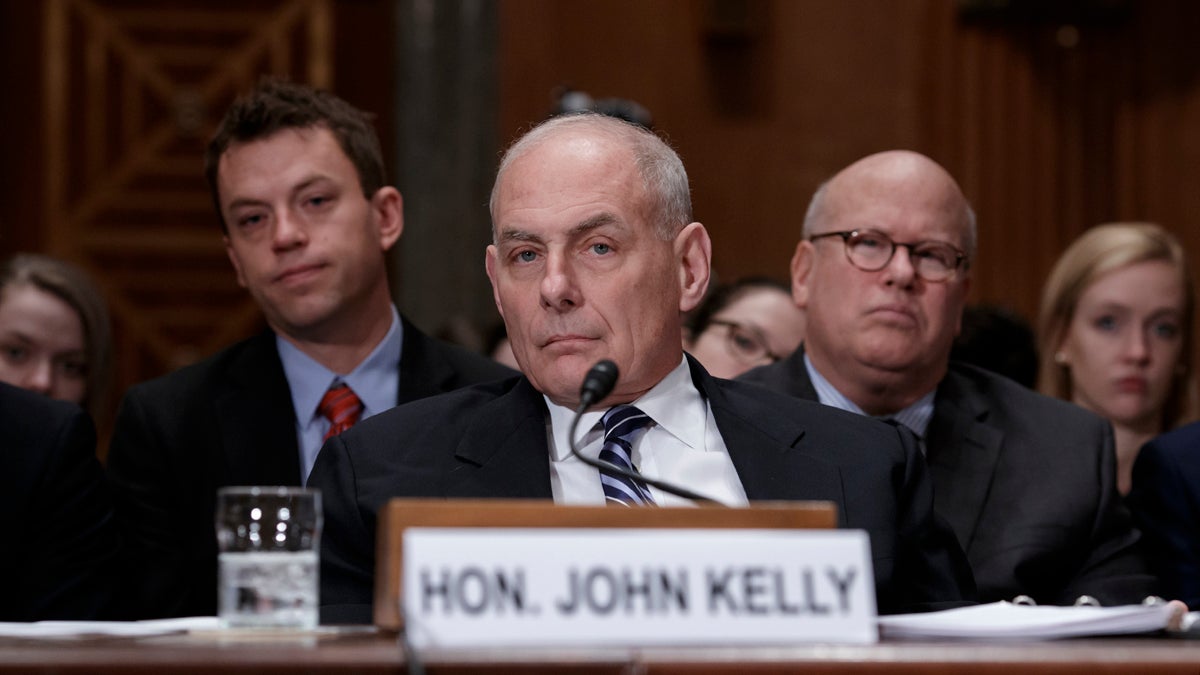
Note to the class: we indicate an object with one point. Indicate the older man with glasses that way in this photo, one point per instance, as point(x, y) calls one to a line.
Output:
point(1027, 482)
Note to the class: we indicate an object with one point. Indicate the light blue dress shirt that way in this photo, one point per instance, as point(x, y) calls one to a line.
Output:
point(916, 416)
point(376, 381)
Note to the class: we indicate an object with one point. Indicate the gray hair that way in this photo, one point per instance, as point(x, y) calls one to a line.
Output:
point(663, 176)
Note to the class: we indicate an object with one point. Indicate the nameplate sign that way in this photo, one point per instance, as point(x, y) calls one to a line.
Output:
point(525, 587)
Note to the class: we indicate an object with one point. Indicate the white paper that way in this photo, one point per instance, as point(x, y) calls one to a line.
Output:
point(1006, 621)
point(70, 629)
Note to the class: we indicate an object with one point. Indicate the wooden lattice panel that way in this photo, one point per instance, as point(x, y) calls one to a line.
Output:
point(134, 88)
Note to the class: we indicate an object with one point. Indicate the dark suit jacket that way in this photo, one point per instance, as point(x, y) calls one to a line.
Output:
point(1165, 500)
point(490, 442)
point(228, 420)
point(55, 513)
point(1028, 484)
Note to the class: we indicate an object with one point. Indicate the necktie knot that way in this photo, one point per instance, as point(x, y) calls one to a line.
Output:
point(623, 425)
point(342, 407)
point(902, 425)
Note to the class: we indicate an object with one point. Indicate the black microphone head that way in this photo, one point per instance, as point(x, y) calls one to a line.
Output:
point(598, 382)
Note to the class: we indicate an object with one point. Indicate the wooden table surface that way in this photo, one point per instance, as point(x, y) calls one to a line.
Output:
point(372, 652)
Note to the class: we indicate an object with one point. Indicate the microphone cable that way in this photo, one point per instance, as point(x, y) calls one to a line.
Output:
point(597, 384)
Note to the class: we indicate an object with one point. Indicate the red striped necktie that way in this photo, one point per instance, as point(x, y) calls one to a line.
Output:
point(342, 407)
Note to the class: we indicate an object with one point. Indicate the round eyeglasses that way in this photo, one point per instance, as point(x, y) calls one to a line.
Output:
point(746, 343)
point(871, 251)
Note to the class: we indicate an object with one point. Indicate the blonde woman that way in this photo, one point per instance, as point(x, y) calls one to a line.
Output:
point(1115, 333)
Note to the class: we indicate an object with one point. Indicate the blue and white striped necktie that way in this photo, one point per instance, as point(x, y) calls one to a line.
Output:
point(623, 424)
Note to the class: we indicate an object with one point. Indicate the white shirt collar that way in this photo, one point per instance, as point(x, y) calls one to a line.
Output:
point(674, 404)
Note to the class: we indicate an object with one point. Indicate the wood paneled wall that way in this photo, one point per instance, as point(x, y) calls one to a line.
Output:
point(1052, 121)
point(109, 104)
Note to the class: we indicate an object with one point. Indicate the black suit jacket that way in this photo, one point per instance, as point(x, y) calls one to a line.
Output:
point(228, 420)
point(490, 442)
point(1165, 500)
point(55, 513)
point(1028, 484)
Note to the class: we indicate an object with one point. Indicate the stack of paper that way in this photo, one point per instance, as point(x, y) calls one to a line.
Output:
point(66, 629)
point(1006, 621)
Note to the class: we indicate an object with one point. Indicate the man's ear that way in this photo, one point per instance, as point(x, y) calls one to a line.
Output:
point(489, 263)
point(388, 207)
point(233, 260)
point(693, 250)
point(802, 264)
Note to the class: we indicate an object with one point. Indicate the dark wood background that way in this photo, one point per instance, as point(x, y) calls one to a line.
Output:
point(1055, 116)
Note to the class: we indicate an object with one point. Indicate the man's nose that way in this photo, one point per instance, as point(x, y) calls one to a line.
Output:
point(289, 230)
point(559, 288)
point(900, 270)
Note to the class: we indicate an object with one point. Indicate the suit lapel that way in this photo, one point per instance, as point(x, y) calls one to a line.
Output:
point(789, 376)
point(764, 434)
point(256, 420)
point(504, 451)
point(796, 372)
point(961, 451)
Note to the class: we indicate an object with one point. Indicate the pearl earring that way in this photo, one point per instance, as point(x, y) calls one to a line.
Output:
point(1060, 358)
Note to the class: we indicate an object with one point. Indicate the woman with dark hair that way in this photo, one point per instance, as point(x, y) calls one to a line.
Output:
point(55, 337)
point(750, 322)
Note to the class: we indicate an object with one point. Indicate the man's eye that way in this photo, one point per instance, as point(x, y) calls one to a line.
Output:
point(247, 221)
point(526, 256)
point(601, 249)
point(938, 255)
point(14, 354)
point(319, 200)
point(868, 241)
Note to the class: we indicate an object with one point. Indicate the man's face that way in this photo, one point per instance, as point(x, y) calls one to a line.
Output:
point(579, 274)
point(890, 325)
point(302, 237)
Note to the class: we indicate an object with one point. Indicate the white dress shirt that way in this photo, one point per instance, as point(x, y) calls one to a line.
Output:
point(683, 447)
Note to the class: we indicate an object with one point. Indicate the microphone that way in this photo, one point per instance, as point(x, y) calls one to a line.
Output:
point(597, 384)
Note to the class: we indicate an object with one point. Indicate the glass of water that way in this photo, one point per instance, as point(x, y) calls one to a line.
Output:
point(268, 540)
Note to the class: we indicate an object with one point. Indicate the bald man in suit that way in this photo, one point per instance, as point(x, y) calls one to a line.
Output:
point(1027, 482)
point(595, 256)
